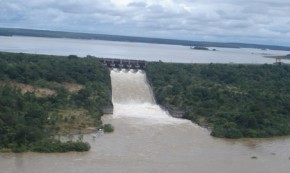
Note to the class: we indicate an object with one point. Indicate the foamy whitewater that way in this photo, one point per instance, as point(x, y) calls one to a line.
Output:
point(133, 98)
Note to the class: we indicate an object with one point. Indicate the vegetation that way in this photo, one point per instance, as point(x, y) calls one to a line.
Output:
point(199, 48)
point(47, 146)
point(29, 121)
point(287, 57)
point(234, 101)
point(108, 128)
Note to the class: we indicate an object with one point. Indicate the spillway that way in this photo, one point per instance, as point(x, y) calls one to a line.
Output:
point(132, 98)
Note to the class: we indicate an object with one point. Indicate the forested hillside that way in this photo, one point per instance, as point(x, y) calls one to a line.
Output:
point(28, 121)
point(234, 101)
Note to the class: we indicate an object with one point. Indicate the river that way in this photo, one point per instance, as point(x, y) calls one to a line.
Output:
point(146, 139)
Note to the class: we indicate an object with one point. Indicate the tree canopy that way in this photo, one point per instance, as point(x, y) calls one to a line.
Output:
point(28, 121)
point(234, 101)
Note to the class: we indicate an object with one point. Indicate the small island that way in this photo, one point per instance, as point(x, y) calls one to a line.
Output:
point(198, 48)
point(278, 56)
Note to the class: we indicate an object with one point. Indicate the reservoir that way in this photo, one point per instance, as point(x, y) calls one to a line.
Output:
point(138, 51)
point(146, 138)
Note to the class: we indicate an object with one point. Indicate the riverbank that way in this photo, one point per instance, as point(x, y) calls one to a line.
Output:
point(234, 101)
point(42, 96)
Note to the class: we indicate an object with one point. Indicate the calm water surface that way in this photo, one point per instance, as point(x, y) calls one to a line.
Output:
point(127, 50)
point(147, 139)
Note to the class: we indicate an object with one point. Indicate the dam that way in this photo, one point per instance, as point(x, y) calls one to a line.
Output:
point(146, 139)
point(123, 63)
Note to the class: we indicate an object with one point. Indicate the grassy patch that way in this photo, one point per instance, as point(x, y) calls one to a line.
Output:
point(72, 120)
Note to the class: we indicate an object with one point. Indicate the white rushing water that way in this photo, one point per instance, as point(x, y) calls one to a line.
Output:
point(132, 97)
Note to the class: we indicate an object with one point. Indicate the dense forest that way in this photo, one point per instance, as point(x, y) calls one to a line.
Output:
point(30, 121)
point(234, 101)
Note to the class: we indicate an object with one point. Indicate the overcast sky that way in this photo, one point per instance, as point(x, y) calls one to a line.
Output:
point(250, 21)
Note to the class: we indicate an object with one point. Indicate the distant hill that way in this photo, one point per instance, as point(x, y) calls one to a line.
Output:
point(75, 35)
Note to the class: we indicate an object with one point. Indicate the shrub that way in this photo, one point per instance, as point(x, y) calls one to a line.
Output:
point(108, 128)
point(48, 146)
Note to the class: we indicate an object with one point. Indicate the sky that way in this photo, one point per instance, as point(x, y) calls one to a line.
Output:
point(246, 21)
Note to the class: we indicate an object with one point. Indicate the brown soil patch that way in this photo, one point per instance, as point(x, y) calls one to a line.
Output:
point(71, 87)
point(42, 92)
point(28, 88)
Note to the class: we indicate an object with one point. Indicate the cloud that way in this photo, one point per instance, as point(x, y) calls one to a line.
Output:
point(137, 4)
point(258, 21)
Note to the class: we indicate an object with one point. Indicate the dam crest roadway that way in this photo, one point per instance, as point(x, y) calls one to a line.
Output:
point(124, 63)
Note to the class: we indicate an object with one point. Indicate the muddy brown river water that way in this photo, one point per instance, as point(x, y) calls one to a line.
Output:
point(147, 139)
